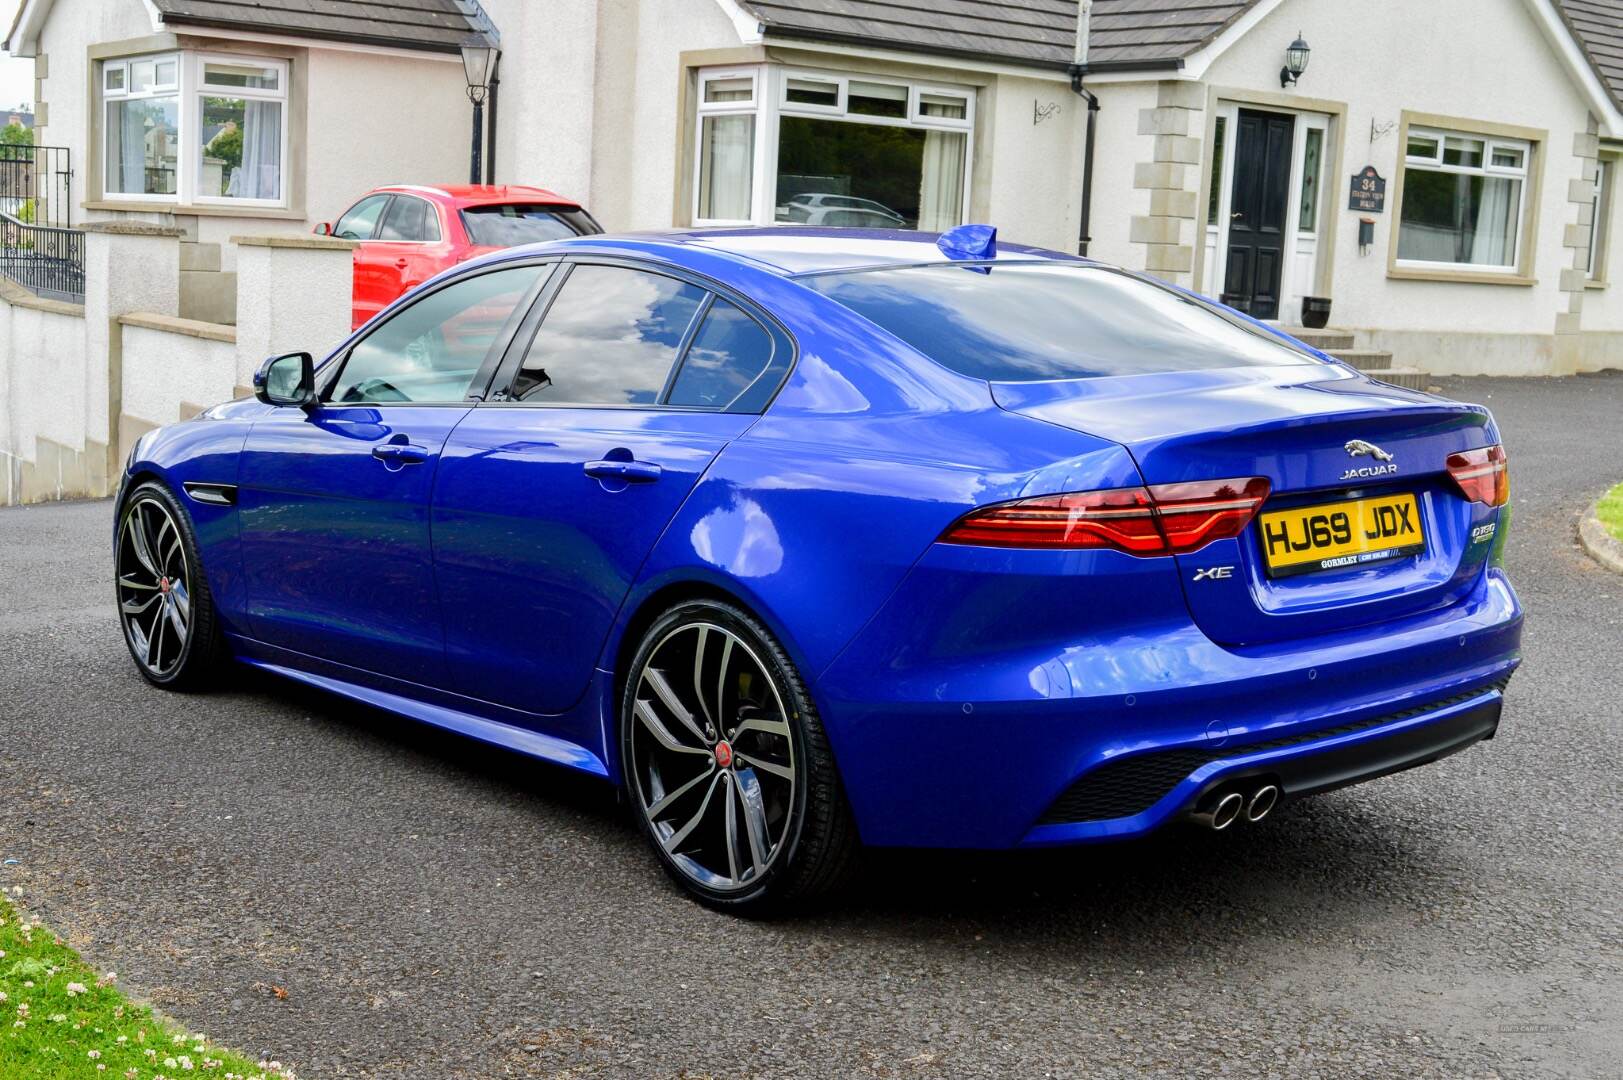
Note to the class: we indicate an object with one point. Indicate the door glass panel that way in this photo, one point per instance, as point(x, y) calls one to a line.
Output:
point(1307, 220)
point(359, 221)
point(1214, 197)
point(609, 338)
point(409, 219)
point(729, 352)
point(430, 351)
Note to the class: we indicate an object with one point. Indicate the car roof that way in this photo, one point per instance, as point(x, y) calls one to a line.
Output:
point(480, 194)
point(792, 250)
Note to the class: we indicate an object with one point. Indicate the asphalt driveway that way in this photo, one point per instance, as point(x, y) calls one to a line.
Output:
point(434, 909)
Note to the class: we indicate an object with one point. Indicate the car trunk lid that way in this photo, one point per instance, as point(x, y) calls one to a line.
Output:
point(1323, 437)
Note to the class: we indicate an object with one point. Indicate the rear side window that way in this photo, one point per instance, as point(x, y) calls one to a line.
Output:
point(728, 355)
point(511, 224)
point(1028, 322)
point(409, 219)
point(609, 338)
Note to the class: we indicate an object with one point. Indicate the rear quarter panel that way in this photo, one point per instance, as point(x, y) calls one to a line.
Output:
point(814, 516)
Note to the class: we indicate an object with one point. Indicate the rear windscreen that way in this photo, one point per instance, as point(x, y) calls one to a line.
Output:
point(512, 224)
point(1025, 322)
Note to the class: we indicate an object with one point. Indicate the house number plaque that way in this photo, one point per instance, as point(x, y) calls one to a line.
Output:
point(1368, 191)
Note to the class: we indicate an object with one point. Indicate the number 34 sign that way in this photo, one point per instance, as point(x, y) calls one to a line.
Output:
point(1368, 191)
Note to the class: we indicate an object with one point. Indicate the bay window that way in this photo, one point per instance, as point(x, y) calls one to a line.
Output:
point(789, 146)
point(187, 128)
point(1464, 200)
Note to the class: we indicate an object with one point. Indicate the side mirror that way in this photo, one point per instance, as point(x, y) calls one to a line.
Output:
point(324, 229)
point(287, 380)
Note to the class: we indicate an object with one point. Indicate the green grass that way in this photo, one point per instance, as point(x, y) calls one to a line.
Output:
point(1610, 511)
point(60, 1020)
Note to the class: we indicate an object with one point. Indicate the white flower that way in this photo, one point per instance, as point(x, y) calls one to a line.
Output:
point(76, 988)
point(92, 1054)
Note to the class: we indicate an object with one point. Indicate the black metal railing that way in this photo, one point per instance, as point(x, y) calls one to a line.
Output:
point(37, 248)
point(36, 184)
point(47, 261)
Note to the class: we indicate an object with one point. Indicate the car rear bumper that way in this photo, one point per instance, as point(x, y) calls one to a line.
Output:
point(994, 733)
point(1304, 766)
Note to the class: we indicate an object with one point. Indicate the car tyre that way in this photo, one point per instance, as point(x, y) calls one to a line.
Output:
point(727, 768)
point(165, 608)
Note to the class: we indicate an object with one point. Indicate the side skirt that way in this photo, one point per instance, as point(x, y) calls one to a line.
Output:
point(524, 740)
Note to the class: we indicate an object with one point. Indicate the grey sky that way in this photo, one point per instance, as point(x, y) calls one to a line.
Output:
point(16, 76)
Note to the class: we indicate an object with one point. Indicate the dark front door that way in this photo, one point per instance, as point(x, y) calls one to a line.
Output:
point(1256, 244)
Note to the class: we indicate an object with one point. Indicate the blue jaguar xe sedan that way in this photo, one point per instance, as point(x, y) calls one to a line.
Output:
point(809, 540)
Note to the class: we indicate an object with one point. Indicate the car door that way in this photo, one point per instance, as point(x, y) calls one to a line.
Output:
point(333, 501)
point(408, 249)
point(553, 492)
point(360, 223)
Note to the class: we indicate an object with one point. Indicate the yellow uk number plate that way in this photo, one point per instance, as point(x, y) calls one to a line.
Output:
point(1333, 535)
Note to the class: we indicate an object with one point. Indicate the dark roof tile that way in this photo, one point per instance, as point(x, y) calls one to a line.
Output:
point(1598, 26)
point(1038, 32)
point(433, 25)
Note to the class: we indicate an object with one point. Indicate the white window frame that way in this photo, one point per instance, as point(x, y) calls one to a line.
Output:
point(176, 90)
point(1435, 163)
point(189, 88)
point(770, 100)
point(194, 101)
point(757, 76)
point(1600, 219)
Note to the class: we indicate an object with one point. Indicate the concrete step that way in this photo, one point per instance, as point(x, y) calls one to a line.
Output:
point(1364, 359)
point(1327, 339)
point(1412, 378)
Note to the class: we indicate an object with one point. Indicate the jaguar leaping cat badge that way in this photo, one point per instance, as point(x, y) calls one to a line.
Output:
point(1360, 448)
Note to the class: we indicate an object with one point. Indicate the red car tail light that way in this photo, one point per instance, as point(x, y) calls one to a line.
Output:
point(1193, 515)
point(1483, 475)
point(1168, 519)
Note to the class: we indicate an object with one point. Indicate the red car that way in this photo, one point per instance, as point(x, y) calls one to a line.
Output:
point(409, 233)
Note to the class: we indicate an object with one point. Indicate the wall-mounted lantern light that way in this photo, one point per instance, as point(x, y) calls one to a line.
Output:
point(1295, 62)
point(478, 60)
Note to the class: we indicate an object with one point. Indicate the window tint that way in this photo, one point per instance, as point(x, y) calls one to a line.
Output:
point(430, 351)
point(511, 224)
point(358, 222)
point(729, 352)
point(409, 219)
point(1024, 323)
point(609, 338)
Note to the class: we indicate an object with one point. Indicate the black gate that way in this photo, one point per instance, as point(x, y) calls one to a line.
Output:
point(38, 249)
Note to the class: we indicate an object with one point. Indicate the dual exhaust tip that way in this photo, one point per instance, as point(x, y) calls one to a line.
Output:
point(1225, 809)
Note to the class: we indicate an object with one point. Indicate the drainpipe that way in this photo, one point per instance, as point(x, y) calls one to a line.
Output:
point(490, 137)
point(1079, 67)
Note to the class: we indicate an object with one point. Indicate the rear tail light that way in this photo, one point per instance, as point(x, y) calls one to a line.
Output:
point(1483, 475)
point(1166, 519)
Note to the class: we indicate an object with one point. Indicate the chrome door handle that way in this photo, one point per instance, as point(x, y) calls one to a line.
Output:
point(398, 454)
point(632, 472)
point(1237, 215)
